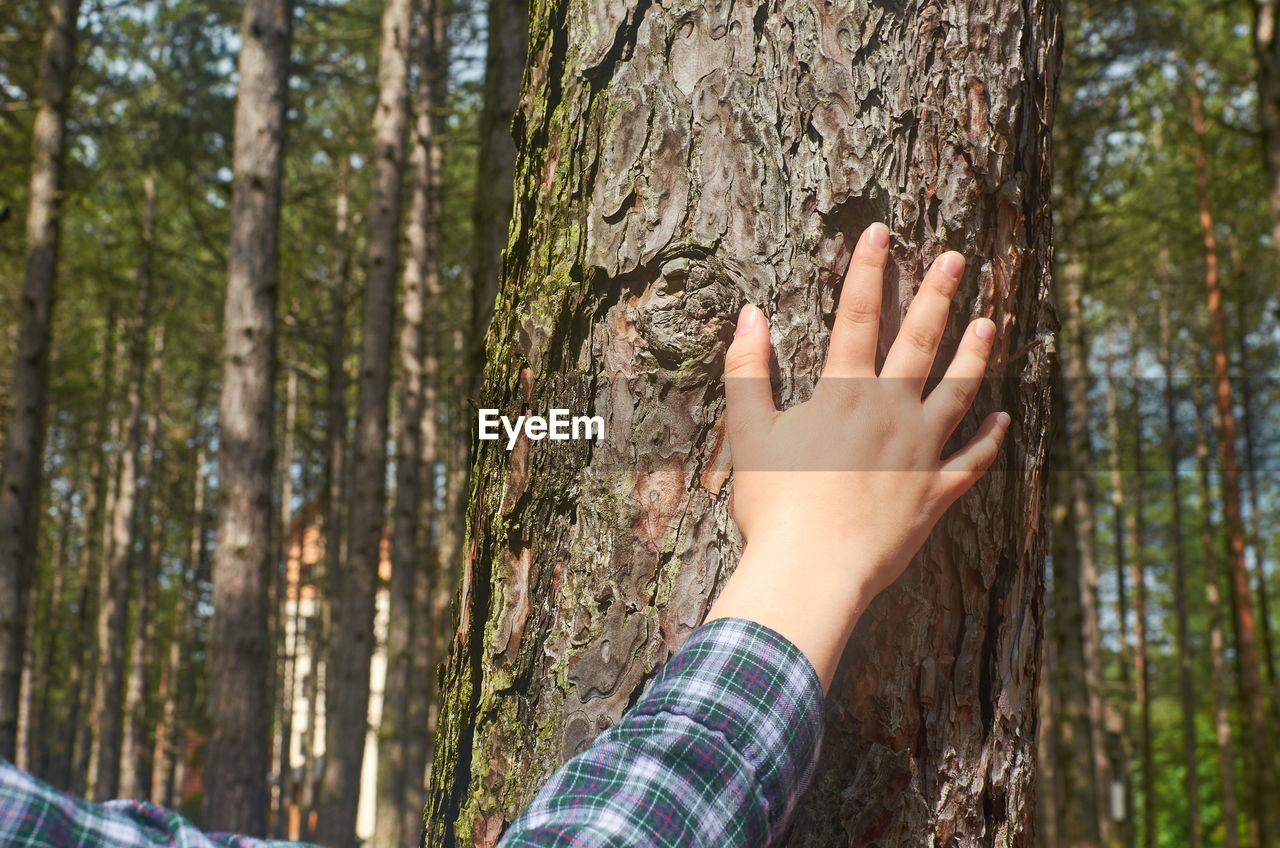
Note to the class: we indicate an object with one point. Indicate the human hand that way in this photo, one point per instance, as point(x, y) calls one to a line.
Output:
point(834, 496)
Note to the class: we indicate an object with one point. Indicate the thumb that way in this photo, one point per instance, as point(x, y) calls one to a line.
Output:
point(747, 388)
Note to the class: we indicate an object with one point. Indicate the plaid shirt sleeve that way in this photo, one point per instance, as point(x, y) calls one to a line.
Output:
point(35, 815)
point(716, 753)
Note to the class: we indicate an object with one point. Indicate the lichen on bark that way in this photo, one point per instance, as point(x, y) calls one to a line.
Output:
point(676, 161)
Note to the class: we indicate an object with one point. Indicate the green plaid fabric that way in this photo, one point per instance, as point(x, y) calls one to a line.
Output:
point(716, 753)
point(35, 815)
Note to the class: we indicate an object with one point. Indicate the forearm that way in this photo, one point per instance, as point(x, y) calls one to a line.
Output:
point(804, 595)
point(716, 753)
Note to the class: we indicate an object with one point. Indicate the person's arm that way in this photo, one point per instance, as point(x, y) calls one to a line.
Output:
point(35, 815)
point(833, 497)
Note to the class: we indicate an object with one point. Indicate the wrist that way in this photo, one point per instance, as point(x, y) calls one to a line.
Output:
point(805, 593)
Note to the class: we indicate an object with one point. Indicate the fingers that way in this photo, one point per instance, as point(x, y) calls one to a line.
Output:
point(967, 465)
point(852, 352)
point(948, 401)
point(747, 388)
point(913, 350)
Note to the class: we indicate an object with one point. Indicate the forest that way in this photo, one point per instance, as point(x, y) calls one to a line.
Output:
point(262, 263)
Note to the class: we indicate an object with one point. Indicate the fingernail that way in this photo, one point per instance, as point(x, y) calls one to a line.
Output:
point(951, 264)
point(985, 329)
point(748, 318)
point(877, 235)
point(1002, 421)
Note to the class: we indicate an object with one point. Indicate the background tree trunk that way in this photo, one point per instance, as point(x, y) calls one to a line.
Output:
point(347, 701)
point(239, 748)
point(1085, 780)
point(133, 774)
point(329, 568)
point(285, 635)
point(116, 581)
point(416, 323)
point(1186, 684)
point(673, 164)
point(1259, 751)
point(1217, 640)
point(1266, 40)
point(506, 46)
point(24, 431)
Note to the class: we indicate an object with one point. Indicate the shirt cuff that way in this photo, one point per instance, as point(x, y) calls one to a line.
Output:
point(751, 684)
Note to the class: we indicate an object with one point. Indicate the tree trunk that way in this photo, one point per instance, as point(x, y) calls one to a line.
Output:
point(1266, 18)
point(433, 579)
point(1092, 781)
point(506, 46)
point(1262, 765)
point(171, 731)
point(1125, 825)
point(239, 752)
point(1050, 790)
point(83, 640)
point(1186, 685)
point(117, 577)
point(328, 570)
point(1136, 527)
point(1217, 641)
point(133, 775)
point(347, 701)
point(418, 320)
point(286, 635)
point(47, 733)
point(673, 164)
point(20, 487)
point(1256, 538)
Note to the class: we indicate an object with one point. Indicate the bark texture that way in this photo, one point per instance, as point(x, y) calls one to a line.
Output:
point(674, 162)
point(24, 431)
point(239, 747)
point(347, 700)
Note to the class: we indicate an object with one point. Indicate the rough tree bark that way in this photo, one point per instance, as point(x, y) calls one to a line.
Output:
point(24, 431)
point(239, 747)
point(1262, 769)
point(675, 162)
point(347, 699)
